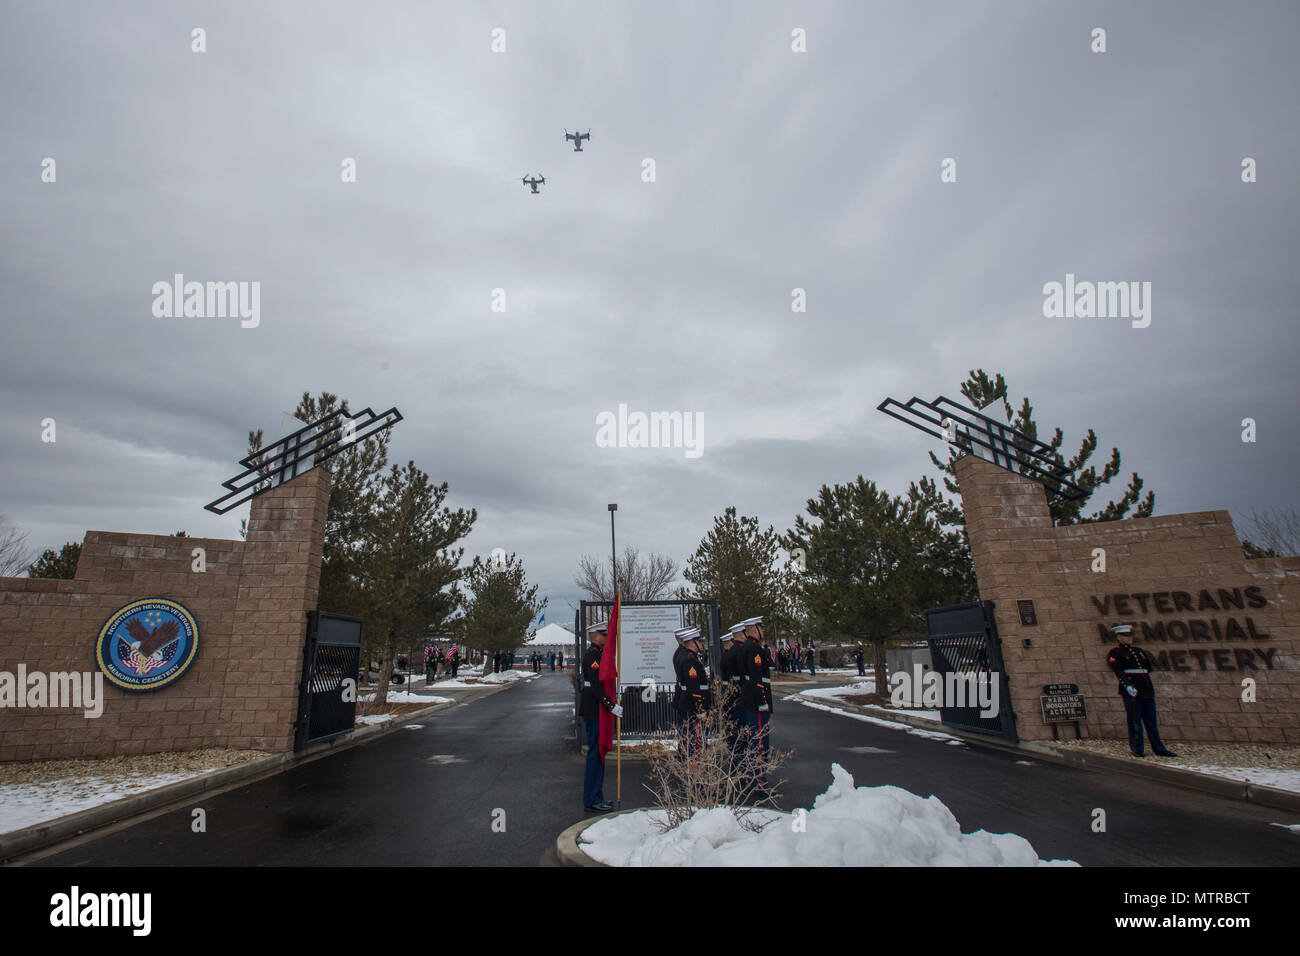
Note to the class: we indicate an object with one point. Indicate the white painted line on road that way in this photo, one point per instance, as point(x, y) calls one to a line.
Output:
point(916, 731)
point(446, 758)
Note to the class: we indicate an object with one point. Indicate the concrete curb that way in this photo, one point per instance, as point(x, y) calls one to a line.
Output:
point(566, 844)
point(1177, 776)
point(39, 836)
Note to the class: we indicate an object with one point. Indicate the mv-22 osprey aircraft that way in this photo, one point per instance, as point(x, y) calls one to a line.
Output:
point(577, 139)
point(534, 182)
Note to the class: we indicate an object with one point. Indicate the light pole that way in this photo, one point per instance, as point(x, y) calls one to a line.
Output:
point(618, 666)
point(613, 551)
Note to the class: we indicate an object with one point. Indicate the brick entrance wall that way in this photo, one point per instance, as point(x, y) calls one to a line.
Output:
point(1177, 578)
point(250, 605)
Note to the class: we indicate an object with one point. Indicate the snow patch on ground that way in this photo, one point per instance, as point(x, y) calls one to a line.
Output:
point(24, 805)
point(923, 714)
point(505, 677)
point(374, 718)
point(867, 686)
point(407, 697)
point(1260, 776)
point(847, 826)
point(880, 722)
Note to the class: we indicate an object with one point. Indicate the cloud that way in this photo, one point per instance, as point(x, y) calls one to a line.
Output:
point(775, 171)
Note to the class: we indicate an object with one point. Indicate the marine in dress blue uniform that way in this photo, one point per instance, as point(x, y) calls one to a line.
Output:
point(1133, 666)
point(693, 695)
point(756, 696)
point(593, 698)
point(730, 675)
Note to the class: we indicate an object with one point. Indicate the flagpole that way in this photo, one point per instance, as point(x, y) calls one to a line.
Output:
point(618, 724)
point(618, 658)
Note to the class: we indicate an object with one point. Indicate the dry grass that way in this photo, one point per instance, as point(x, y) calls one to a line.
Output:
point(863, 700)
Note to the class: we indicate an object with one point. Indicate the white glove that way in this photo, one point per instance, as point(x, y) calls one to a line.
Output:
point(617, 710)
point(1132, 691)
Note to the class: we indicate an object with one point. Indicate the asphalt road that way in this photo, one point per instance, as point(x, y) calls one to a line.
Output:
point(492, 783)
point(1147, 823)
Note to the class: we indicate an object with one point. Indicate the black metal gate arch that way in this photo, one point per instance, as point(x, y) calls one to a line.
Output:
point(963, 640)
point(641, 718)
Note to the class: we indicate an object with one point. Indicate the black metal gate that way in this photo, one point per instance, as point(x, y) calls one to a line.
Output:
point(644, 713)
point(331, 656)
point(964, 642)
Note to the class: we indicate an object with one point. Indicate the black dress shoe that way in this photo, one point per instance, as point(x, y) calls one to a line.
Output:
point(1138, 755)
point(599, 808)
point(1167, 753)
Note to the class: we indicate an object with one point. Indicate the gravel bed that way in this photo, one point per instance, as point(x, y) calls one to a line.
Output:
point(1277, 756)
point(187, 761)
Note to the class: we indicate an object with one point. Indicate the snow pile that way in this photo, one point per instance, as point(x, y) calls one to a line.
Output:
point(504, 677)
point(865, 686)
point(882, 722)
point(407, 697)
point(847, 826)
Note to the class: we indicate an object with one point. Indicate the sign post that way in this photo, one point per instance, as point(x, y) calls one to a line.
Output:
point(1063, 704)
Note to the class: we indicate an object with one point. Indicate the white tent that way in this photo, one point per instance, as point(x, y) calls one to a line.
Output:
point(552, 636)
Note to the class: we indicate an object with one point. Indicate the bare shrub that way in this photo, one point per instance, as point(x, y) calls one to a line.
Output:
point(699, 769)
point(15, 556)
point(1272, 533)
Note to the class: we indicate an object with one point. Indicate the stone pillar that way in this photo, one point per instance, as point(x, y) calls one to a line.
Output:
point(278, 585)
point(1017, 555)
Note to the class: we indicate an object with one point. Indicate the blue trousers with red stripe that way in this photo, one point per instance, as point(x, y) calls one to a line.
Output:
point(757, 740)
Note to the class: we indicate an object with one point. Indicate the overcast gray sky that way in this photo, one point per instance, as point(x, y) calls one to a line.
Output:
point(775, 170)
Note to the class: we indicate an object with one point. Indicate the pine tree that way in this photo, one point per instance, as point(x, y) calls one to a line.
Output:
point(57, 564)
point(874, 563)
point(981, 391)
point(389, 553)
point(500, 605)
point(738, 564)
point(409, 565)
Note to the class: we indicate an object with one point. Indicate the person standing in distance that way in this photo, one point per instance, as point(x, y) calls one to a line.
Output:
point(1133, 667)
point(593, 698)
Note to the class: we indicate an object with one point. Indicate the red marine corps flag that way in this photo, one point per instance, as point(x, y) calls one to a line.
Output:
point(609, 680)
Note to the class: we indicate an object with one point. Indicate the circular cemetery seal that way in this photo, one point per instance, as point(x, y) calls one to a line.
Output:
point(147, 644)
